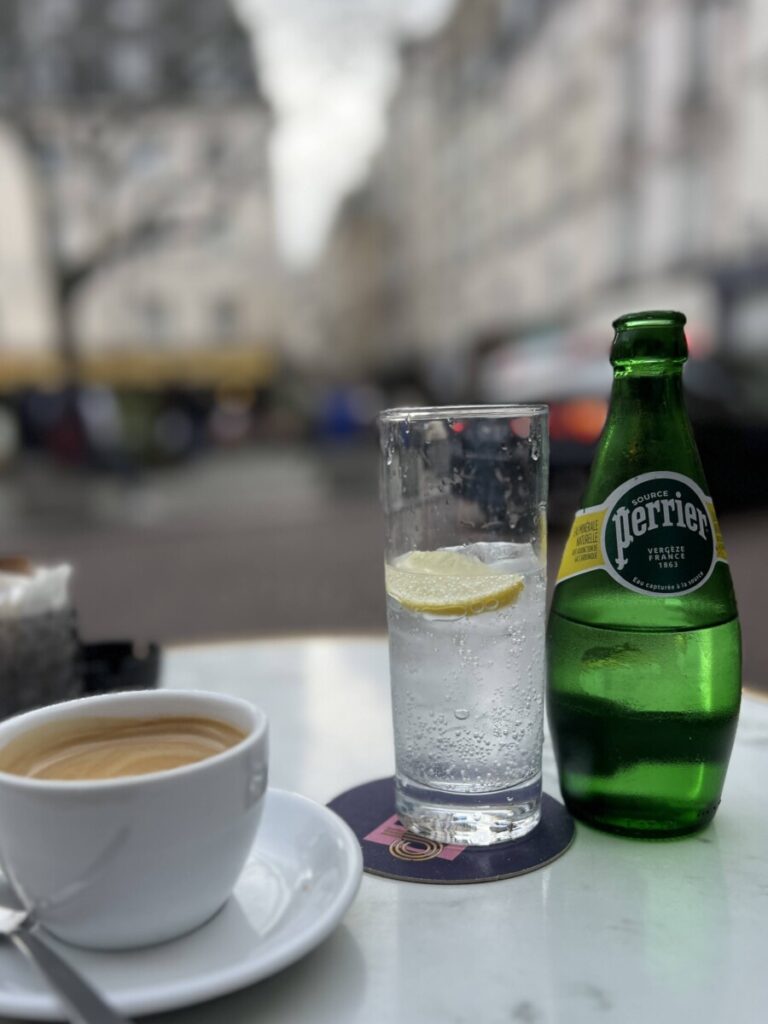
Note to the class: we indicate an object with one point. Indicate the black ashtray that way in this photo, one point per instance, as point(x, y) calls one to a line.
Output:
point(119, 665)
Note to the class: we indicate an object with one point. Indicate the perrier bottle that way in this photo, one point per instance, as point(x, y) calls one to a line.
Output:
point(644, 645)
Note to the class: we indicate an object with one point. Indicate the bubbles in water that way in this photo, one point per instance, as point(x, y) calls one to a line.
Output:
point(487, 660)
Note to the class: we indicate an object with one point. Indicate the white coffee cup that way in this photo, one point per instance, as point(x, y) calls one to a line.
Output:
point(134, 860)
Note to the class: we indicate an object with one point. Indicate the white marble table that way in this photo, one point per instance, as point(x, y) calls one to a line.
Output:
point(617, 930)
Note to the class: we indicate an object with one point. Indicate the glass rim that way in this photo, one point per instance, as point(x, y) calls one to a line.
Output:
point(425, 413)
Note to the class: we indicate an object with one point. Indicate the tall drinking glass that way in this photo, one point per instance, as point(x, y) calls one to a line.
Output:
point(464, 491)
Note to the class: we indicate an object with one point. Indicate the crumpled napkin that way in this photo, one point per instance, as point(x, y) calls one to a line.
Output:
point(41, 589)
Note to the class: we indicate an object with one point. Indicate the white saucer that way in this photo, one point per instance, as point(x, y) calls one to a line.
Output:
point(302, 875)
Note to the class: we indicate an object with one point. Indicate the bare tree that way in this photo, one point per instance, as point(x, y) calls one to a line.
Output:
point(82, 82)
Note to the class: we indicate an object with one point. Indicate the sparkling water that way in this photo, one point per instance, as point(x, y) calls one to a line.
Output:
point(467, 700)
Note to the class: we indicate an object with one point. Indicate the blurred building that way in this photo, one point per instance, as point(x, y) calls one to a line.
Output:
point(552, 163)
point(149, 129)
point(348, 285)
point(28, 312)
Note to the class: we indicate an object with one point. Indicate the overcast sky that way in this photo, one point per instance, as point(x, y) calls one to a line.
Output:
point(329, 68)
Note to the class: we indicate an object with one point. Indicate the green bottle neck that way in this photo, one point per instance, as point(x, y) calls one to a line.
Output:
point(647, 418)
point(647, 429)
point(655, 389)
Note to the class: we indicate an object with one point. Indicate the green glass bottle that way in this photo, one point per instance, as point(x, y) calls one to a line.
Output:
point(643, 641)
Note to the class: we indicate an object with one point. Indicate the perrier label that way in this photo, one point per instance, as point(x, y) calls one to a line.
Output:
point(644, 646)
point(655, 534)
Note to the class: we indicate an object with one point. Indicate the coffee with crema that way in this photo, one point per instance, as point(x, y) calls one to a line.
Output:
point(108, 748)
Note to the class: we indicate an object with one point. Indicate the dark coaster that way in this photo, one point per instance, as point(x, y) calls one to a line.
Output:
point(119, 665)
point(390, 851)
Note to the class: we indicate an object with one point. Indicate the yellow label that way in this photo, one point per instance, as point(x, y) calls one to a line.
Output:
point(719, 543)
point(583, 551)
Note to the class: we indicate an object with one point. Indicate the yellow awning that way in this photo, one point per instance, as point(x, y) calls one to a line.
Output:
point(217, 368)
point(20, 371)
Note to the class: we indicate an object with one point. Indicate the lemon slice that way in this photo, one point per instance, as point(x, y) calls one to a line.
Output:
point(450, 583)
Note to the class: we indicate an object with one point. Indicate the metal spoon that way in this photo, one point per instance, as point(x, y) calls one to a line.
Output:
point(82, 1003)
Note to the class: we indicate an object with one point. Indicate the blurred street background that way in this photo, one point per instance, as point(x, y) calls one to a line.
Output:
point(231, 232)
